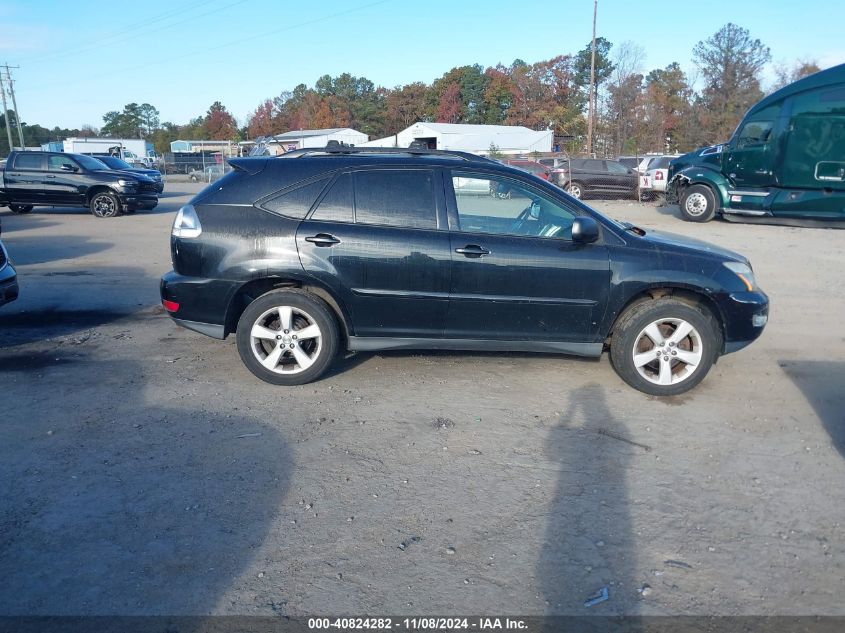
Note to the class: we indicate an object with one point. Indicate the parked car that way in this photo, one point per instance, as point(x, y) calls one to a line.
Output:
point(585, 177)
point(554, 162)
point(206, 174)
point(57, 179)
point(531, 166)
point(374, 249)
point(785, 164)
point(118, 164)
point(8, 278)
point(655, 178)
point(645, 163)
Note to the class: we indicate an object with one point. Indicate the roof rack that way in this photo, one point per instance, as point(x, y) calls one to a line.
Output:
point(336, 148)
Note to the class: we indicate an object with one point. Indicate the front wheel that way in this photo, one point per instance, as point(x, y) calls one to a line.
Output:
point(287, 337)
point(665, 347)
point(21, 208)
point(698, 204)
point(105, 205)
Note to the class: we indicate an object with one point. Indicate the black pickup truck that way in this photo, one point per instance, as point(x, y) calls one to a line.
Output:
point(72, 180)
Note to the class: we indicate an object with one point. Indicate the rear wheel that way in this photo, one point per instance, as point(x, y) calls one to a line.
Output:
point(105, 205)
point(21, 208)
point(665, 347)
point(575, 189)
point(287, 337)
point(698, 204)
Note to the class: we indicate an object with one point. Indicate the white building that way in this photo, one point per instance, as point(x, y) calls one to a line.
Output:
point(477, 139)
point(299, 139)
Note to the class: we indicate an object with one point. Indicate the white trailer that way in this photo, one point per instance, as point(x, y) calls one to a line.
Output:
point(134, 151)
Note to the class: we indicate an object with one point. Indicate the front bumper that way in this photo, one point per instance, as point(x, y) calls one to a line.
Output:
point(8, 284)
point(203, 303)
point(135, 201)
point(746, 315)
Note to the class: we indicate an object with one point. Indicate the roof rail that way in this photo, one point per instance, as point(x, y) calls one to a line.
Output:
point(335, 148)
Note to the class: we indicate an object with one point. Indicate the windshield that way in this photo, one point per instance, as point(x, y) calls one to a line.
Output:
point(89, 163)
point(115, 163)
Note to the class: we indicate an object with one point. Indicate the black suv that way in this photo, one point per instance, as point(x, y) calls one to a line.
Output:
point(586, 177)
point(375, 249)
point(74, 180)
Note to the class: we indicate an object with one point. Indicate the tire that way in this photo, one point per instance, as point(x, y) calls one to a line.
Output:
point(105, 205)
point(261, 354)
point(665, 373)
point(194, 179)
point(576, 190)
point(698, 204)
point(21, 208)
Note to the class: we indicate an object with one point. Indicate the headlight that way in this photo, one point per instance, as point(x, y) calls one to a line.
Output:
point(126, 183)
point(744, 272)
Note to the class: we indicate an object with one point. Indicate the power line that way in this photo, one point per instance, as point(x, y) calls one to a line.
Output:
point(110, 36)
point(14, 104)
point(205, 51)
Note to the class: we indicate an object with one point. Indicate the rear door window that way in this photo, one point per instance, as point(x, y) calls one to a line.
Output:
point(616, 168)
point(336, 205)
point(29, 161)
point(395, 197)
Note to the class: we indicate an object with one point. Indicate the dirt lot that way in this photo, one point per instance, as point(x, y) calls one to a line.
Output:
point(144, 471)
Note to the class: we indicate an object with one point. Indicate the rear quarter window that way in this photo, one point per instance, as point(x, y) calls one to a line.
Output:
point(296, 202)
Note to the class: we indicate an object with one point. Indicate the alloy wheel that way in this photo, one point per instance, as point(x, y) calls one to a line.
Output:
point(286, 340)
point(104, 206)
point(668, 351)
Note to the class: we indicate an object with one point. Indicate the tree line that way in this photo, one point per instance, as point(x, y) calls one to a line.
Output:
point(664, 109)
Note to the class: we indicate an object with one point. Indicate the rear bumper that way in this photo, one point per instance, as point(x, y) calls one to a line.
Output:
point(203, 304)
point(8, 284)
point(746, 315)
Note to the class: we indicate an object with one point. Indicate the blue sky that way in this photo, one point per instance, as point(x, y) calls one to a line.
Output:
point(80, 58)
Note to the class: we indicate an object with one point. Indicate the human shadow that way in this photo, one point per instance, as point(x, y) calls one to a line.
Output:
point(588, 544)
point(822, 383)
point(142, 510)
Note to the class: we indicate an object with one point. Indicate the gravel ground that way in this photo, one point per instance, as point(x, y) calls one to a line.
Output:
point(143, 470)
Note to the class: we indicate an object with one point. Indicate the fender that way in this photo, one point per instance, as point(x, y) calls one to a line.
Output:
point(699, 175)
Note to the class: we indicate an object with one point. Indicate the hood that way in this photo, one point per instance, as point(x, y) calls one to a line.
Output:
point(124, 173)
point(671, 241)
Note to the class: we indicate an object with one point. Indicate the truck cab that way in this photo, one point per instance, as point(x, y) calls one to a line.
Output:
point(785, 163)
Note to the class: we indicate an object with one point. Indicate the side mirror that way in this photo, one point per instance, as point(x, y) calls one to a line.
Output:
point(585, 230)
point(66, 167)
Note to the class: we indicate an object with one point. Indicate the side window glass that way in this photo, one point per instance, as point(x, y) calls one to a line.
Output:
point(754, 133)
point(396, 198)
point(54, 163)
point(29, 161)
point(295, 203)
point(492, 204)
point(336, 205)
point(616, 168)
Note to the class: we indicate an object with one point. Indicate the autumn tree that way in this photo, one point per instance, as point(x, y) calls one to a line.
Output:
point(786, 74)
point(404, 106)
point(261, 122)
point(449, 105)
point(219, 124)
point(731, 63)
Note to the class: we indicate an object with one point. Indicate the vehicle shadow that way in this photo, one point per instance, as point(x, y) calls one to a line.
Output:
point(40, 249)
point(822, 382)
point(589, 545)
point(130, 509)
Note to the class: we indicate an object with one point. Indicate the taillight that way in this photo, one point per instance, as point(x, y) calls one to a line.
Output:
point(658, 175)
point(186, 223)
point(170, 306)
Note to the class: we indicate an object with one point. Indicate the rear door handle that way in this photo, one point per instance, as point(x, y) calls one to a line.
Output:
point(323, 239)
point(50, 176)
point(472, 250)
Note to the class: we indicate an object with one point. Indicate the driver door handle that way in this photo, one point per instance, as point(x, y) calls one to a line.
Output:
point(472, 250)
point(323, 239)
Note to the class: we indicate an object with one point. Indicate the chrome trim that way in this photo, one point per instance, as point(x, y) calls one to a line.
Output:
point(756, 194)
point(744, 212)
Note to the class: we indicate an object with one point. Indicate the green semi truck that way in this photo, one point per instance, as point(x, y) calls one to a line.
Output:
point(785, 164)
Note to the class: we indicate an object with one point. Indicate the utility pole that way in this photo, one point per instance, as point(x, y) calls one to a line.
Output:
point(15, 103)
point(592, 110)
point(5, 112)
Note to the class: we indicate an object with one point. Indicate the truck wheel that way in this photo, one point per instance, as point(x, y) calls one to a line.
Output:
point(194, 179)
point(665, 347)
point(105, 205)
point(21, 208)
point(287, 337)
point(698, 204)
